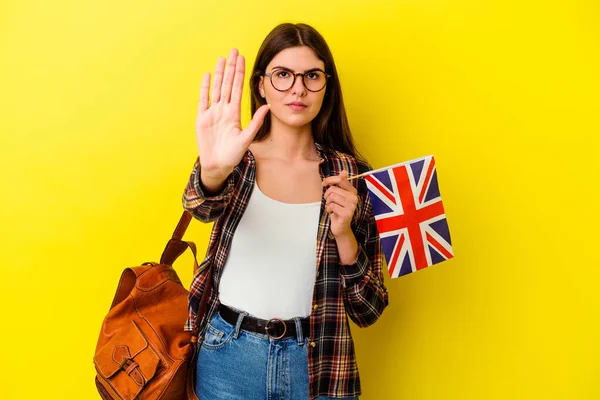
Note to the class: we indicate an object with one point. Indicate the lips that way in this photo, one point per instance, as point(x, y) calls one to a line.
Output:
point(297, 106)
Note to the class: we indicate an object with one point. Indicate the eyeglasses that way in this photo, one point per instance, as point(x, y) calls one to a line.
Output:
point(314, 80)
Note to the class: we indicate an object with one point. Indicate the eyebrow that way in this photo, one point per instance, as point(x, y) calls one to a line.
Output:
point(291, 70)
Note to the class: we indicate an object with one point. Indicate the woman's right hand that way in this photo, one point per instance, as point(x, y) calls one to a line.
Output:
point(221, 141)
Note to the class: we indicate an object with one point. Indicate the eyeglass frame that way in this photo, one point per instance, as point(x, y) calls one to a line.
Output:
point(270, 76)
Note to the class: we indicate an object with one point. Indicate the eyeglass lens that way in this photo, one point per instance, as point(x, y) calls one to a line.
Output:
point(313, 80)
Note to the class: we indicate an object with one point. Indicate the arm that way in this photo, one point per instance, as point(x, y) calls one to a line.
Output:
point(365, 295)
point(359, 250)
point(221, 141)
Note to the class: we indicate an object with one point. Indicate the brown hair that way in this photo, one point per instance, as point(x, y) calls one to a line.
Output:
point(330, 127)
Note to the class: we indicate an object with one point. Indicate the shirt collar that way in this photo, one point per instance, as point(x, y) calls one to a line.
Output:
point(322, 153)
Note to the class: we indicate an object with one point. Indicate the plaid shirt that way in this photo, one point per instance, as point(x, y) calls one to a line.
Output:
point(355, 290)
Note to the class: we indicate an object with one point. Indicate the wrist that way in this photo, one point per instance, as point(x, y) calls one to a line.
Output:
point(347, 248)
point(215, 173)
point(212, 181)
point(344, 236)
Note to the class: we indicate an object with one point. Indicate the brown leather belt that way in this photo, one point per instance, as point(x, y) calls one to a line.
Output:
point(274, 328)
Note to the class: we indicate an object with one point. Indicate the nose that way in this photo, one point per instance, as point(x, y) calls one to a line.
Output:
point(298, 86)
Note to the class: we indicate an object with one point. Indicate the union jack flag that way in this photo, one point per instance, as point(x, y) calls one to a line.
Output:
point(410, 216)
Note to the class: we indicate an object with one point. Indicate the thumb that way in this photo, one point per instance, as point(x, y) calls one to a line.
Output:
point(257, 121)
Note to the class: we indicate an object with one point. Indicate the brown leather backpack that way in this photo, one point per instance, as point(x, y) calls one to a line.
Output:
point(143, 351)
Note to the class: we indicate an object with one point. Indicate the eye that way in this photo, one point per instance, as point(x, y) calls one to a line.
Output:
point(312, 75)
point(282, 74)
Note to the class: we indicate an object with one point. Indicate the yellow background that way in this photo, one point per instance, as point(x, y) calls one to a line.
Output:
point(97, 108)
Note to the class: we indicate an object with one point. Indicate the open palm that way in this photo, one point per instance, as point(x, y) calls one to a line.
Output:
point(221, 140)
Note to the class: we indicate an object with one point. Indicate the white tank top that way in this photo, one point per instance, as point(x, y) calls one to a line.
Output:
point(271, 267)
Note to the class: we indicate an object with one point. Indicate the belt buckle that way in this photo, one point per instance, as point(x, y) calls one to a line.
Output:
point(284, 328)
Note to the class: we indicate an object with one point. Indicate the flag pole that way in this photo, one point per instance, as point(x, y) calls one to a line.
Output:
point(361, 175)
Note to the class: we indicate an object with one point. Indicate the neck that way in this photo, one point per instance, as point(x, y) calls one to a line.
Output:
point(288, 143)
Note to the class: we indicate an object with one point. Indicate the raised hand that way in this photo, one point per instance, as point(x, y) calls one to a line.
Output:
point(221, 140)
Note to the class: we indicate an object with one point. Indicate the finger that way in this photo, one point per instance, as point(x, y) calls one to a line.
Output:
point(344, 213)
point(334, 209)
point(204, 89)
point(338, 199)
point(216, 89)
point(345, 208)
point(228, 77)
point(336, 179)
point(339, 191)
point(347, 186)
point(257, 121)
point(238, 81)
point(330, 180)
point(344, 185)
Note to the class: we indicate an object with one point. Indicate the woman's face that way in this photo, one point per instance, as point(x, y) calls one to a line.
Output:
point(295, 106)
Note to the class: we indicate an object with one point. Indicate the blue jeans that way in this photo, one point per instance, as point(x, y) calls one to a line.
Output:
point(234, 364)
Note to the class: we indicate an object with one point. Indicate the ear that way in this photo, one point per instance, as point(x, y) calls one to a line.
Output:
point(261, 87)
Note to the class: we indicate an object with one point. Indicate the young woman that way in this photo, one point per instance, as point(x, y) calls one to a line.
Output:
point(294, 250)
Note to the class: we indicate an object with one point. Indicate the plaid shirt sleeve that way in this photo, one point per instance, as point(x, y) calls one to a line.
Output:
point(205, 208)
point(365, 295)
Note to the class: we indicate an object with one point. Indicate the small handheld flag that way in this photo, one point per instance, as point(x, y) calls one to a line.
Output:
point(410, 216)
